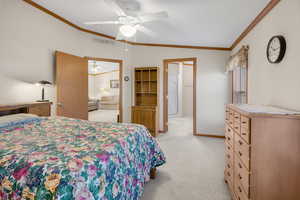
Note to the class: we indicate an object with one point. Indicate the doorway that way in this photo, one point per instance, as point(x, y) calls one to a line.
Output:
point(179, 93)
point(72, 76)
point(105, 90)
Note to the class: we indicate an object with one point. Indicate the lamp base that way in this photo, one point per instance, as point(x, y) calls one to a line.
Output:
point(42, 100)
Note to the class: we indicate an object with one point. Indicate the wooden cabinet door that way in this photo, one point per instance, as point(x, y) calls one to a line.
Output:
point(145, 116)
point(72, 86)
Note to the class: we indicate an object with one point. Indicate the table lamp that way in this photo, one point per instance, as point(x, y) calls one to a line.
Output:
point(43, 83)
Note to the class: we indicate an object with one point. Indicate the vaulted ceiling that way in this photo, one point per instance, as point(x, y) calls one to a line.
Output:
point(216, 23)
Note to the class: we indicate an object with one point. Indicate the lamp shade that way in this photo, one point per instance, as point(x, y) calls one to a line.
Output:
point(43, 82)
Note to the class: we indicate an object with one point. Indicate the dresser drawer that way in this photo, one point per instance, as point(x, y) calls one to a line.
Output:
point(237, 116)
point(243, 175)
point(42, 110)
point(229, 135)
point(231, 118)
point(229, 174)
point(245, 134)
point(229, 183)
point(237, 127)
point(227, 115)
point(242, 150)
point(228, 154)
point(239, 192)
point(245, 123)
point(228, 148)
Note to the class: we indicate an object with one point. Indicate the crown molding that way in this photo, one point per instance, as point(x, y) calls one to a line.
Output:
point(182, 46)
point(258, 18)
point(256, 21)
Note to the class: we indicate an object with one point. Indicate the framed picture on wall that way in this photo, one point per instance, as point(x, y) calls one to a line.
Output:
point(114, 83)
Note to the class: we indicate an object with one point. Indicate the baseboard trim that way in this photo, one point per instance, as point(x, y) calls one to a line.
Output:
point(207, 135)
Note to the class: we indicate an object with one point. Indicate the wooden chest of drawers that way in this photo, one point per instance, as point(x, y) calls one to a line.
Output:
point(237, 165)
point(262, 153)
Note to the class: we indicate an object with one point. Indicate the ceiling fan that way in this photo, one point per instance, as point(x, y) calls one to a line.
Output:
point(130, 24)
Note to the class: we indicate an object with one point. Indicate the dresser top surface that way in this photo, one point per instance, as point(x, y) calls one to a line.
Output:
point(263, 110)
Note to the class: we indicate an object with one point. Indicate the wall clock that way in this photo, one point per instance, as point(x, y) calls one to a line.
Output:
point(276, 49)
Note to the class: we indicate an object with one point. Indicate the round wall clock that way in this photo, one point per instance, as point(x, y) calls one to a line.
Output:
point(276, 49)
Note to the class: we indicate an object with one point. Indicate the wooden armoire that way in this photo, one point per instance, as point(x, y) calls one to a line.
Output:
point(146, 88)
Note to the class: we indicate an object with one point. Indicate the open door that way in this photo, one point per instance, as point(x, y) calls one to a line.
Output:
point(72, 86)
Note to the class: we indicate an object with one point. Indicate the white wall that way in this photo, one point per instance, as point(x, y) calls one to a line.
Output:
point(91, 80)
point(103, 81)
point(212, 82)
point(174, 105)
point(187, 91)
point(28, 40)
point(275, 84)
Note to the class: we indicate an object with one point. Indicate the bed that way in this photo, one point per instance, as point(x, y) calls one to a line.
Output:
point(63, 158)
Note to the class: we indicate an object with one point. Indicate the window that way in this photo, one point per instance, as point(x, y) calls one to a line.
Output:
point(238, 66)
point(239, 85)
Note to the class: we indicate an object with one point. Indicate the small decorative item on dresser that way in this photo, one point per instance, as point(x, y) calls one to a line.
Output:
point(43, 83)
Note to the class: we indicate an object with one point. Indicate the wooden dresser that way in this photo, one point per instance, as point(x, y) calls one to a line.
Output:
point(42, 109)
point(262, 153)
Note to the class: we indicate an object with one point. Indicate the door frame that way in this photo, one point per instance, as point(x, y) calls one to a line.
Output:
point(120, 62)
point(165, 91)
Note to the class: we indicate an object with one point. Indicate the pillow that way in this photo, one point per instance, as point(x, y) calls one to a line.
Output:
point(15, 117)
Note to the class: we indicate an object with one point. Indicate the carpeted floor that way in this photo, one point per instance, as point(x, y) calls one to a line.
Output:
point(194, 168)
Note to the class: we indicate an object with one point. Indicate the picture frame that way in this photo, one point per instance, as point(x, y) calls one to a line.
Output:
point(114, 83)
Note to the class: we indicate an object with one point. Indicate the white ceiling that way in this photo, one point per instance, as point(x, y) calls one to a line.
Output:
point(191, 22)
point(96, 67)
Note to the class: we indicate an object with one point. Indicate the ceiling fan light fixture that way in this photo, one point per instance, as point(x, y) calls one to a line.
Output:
point(128, 30)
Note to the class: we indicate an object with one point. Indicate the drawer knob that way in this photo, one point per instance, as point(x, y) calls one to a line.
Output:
point(240, 177)
point(240, 166)
point(228, 166)
point(244, 134)
point(240, 142)
point(240, 153)
point(239, 188)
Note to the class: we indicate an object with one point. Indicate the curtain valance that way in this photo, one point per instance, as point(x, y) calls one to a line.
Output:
point(240, 59)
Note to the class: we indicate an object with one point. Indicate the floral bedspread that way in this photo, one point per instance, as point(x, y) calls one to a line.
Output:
point(65, 159)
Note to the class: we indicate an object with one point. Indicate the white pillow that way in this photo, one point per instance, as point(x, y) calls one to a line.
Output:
point(15, 117)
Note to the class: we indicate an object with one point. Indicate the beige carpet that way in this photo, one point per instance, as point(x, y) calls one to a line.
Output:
point(103, 115)
point(194, 168)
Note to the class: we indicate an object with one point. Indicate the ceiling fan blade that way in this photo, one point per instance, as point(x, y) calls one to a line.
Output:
point(102, 22)
point(145, 30)
point(147, 17)
point(116, 7)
